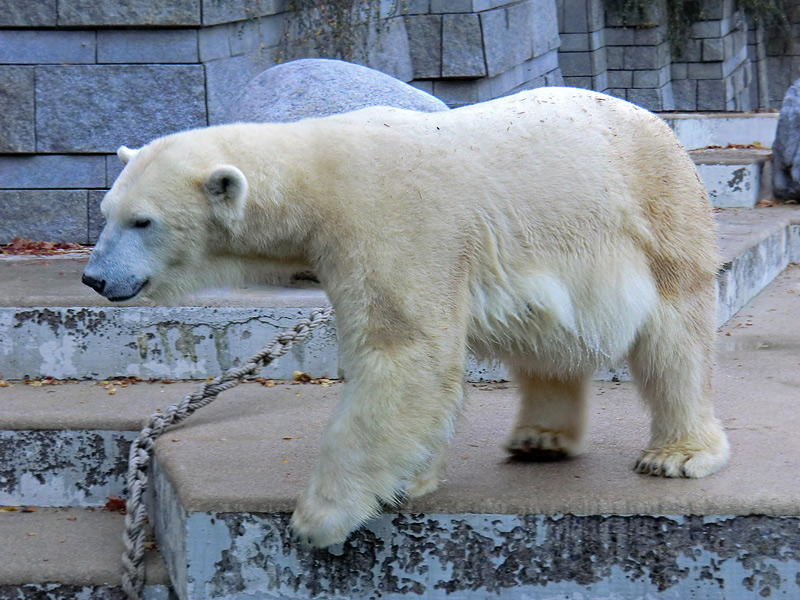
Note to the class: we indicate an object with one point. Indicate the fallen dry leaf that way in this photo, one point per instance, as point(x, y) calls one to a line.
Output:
point(766, 203)
point(115, 504)
point(301, 377)
point(23, 246)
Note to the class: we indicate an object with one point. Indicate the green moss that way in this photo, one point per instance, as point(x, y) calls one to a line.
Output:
point(681, 14)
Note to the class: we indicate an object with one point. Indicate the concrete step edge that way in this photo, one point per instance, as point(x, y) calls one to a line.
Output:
point(191, 342)
point(62, 554)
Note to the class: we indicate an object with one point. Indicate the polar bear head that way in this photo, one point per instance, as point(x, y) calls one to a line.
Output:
point(168, 208)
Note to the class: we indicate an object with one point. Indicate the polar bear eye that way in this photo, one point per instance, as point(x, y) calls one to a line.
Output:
point(141, 223)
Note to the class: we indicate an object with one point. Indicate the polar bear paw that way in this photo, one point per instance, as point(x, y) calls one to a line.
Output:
point(683, 460)
point(319, 524)
point(537, 444)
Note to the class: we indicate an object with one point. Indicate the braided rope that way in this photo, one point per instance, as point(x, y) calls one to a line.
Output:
point(133, 575)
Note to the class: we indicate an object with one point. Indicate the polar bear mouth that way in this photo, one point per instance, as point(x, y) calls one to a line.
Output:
point(129, 296)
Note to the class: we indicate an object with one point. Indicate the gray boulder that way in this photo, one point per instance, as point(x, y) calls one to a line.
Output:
point(316, 87)
point(786, 148)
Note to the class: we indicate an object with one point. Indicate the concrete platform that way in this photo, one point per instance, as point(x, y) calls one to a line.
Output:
point(735, 178)
point(758, 358)
point(227, 480)
point(52, 325)
point(698, 130)
point(60, 554)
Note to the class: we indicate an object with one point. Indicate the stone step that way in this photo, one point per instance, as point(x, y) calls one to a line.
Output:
point(52, 325)
point(225, 482)
point(698, 130)
point(69, 554)
point(735, 178)
point(67, 445)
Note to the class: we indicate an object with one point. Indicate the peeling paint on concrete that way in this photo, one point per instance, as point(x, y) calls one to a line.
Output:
point(168, 519)
point(498, 556)
point(54, 591)
point(740, 280)
point(227, 556)
point(731, 186)
point(62, 468)
point(153, 342)
point(739, 180)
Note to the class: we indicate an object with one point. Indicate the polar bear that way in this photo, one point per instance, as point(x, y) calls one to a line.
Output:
point(559, 230)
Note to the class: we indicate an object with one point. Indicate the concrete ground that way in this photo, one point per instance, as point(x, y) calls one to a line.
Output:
point(72, 546)
point(254, 448)
point(234, 455)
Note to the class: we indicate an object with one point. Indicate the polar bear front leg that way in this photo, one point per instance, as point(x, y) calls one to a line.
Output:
point(551, 421)
point(672, 366)
point(390, 426)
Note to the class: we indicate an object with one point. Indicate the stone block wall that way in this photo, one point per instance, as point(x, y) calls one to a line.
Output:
point(634, 59)
point(639, 60)
point(78, 79)
point(475, 50)
point(582, 55)
point(781, 61)
point(715, 73)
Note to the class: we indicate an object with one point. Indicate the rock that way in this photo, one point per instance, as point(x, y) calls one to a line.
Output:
point(316, 87)
point(786, 148)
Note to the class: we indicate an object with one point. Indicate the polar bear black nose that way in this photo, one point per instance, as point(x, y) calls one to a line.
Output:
point(97, 286)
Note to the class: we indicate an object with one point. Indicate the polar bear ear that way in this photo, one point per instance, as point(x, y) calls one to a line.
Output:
point(125, 154)
point(226, 188)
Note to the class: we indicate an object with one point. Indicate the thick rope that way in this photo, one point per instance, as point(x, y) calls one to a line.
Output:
point(133, 575)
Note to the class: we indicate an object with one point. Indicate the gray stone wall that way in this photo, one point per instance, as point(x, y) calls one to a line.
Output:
point(781, 61)
point(78, 79)
point(634, 60)
point(715, 72)
point(640, 58)
point(122, 73)
point(475, 50)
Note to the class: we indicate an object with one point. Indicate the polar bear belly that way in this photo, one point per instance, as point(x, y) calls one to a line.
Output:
point(560, 326)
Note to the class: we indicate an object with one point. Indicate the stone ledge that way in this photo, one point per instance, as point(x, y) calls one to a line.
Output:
point(54, 554)
point(508, 557)
point(219, 525)
point(63, 467)
point(211, 518)
point(45, 301)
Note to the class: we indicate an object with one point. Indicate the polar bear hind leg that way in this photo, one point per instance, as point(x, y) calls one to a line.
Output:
point(671, 363)
point(551, 421)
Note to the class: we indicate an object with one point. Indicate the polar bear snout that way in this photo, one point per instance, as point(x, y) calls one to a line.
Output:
point(97, 285)
point(118, 268)
point(116, 289)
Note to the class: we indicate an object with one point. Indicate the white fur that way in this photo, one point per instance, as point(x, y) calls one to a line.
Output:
point(559, 230)
point(125, 154)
